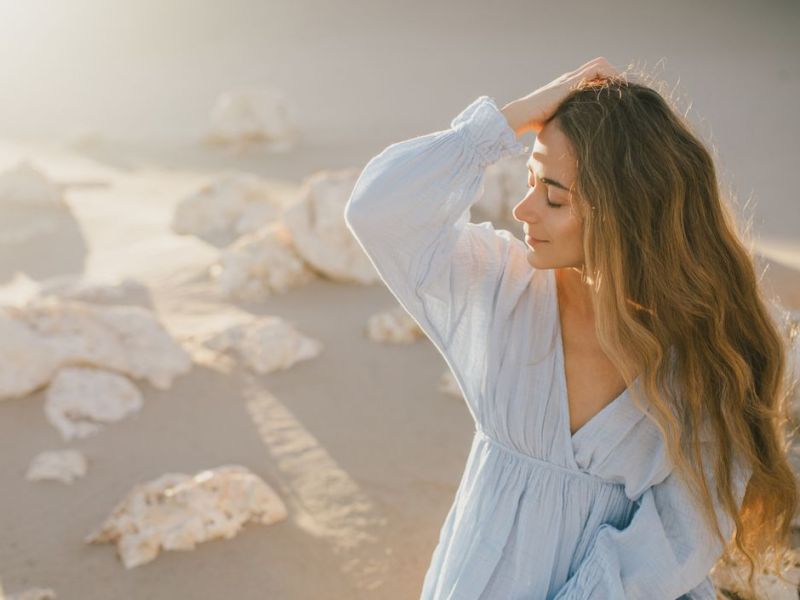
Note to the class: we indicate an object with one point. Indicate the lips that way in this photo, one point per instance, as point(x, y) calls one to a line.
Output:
point(530, 237)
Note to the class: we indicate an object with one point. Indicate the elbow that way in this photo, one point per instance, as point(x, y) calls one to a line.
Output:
point(359, 216)
point(366, 206)
point(358, 204)
point(351, 211)
point(354, 216)
point(368, 198)
point(375, 198)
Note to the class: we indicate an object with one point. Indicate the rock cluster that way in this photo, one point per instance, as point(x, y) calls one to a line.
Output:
point(177, 511)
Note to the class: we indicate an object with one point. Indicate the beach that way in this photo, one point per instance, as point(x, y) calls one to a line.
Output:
point(359, 442)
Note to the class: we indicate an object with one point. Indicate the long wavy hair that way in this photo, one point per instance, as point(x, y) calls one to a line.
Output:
point(676, 298)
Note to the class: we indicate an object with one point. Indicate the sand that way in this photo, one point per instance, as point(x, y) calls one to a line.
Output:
point(347, 429)
point(351, 428)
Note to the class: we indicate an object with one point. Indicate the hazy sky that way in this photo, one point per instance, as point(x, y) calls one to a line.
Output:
point(375, 72)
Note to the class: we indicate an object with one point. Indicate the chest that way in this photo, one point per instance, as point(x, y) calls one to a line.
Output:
point(592, 380)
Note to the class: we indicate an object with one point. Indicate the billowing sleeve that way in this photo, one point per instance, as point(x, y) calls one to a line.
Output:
point(665, 552)
point(409, 211)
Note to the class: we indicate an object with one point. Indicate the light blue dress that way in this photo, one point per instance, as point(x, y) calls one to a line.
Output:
point(539, 514)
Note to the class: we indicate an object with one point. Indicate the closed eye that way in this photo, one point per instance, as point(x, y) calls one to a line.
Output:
point(549, 202)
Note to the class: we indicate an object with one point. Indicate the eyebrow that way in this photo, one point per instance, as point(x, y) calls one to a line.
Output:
point(548, 181)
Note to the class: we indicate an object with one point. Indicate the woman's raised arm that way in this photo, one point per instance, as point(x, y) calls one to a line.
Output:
point(409, 210)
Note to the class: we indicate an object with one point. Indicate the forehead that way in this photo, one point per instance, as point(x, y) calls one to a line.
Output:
point(552, 150)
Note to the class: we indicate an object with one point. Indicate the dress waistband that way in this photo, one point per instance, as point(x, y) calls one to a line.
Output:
point(480, 434)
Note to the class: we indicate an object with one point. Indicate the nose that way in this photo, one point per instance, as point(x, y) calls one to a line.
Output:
point(525, 211)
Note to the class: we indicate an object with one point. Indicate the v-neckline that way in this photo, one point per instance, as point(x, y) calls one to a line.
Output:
point(561, 367)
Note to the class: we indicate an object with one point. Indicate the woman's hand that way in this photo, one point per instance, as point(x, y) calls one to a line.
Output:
point(530, 112)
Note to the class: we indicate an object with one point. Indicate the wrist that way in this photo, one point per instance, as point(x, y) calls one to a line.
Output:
point(517, 117)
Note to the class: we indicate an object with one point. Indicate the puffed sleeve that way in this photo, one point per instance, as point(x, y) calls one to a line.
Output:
point(665, 552)
point(409, 211)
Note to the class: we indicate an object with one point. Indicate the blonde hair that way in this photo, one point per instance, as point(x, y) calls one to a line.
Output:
point(677, 298)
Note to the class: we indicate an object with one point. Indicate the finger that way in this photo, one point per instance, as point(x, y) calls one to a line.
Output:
point(600, 70)
point(586, 65)
point(598, 65)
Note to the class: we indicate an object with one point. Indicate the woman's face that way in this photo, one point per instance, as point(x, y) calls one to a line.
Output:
point(547, 211)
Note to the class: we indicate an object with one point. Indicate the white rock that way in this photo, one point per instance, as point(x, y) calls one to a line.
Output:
point(320, 234)
point(244, 116)
point(79, 399)
point(27, 361)
point(732, 577)
point(504, 186)
point(788, 322)
point(256, 215)
point(32, 205)
point(57, 465)
point(177, 511)
point(18, 233)
point(793, 368)
point(128, 291)
point(449, 385)
point(394, 326)
point(230, 204)
point(265, 344)
point(259, 264)
point(25, 184)
point(126, 339)
point(33, 594)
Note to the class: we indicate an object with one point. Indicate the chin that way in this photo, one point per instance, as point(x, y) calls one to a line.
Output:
point(536, 261)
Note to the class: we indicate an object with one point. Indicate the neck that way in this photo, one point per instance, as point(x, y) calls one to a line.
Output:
point(574, 294)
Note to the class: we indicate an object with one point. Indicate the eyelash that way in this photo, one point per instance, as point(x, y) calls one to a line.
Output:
point(548, 200)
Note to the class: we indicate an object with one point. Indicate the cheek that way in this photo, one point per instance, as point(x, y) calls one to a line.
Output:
point(569, 229)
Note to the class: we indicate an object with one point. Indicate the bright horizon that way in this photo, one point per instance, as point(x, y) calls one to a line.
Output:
point(147, 72)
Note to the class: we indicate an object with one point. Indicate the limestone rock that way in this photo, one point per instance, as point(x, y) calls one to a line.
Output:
point(126, 339)
point(25, 184)
point(127, 291)
point(27, 361)
point(31, 203)
point(793, 359)
point(504, 186)
point(791, 330)
point(39, 226)
point(256, 115)
point(57, 465)
point(259, 264)
point(266, 344)
point(232, 204)
point(316, 223)
point(79, 399)
point(731, 577)
point(256, 215)
point(393, 326)
point(177, 511)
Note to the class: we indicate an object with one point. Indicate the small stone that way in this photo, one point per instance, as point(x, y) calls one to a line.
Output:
point(57, 465)
point(33, 594)
point(265, 344)
point(260, 264)
point(394, 326)
point(79, 399)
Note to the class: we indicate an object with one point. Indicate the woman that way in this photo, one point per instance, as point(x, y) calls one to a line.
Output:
point(627, 383)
